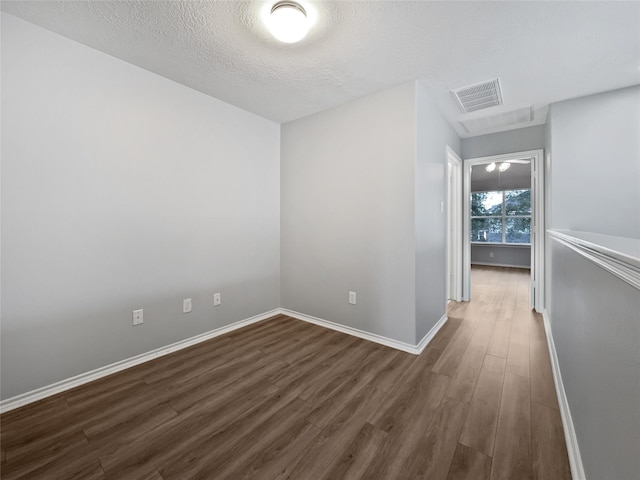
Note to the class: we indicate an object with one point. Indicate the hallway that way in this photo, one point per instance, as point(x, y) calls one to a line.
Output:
point(499, 364)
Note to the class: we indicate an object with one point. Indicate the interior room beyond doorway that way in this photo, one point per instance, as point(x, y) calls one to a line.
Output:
point(503, 217)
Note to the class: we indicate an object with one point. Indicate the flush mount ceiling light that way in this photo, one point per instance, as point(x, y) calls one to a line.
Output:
point(501, 166)
point(288, 21)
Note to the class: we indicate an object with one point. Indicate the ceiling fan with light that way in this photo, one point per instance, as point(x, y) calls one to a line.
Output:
point(503, 166)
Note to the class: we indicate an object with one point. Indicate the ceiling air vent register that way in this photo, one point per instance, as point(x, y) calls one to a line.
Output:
point(481, 95)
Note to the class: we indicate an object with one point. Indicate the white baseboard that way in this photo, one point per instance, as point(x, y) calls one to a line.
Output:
point(431, 333)
point(573, 449)
point(372, 337)
point(508, 265)
point(63, 385)
point(83, 378)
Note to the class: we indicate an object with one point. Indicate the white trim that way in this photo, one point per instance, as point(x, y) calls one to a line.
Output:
point(69, 383)
point(537, 217)
point(372, 337)
point(422, 344)
point(454, 219)
point(501, 245)
point(619, 256)
point(573, 449)
point(538, 232)
point(484, 264)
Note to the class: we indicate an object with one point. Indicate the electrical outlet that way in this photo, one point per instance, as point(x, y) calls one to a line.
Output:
point(352, 298)
point(217, 299)
point(138, 317)
point(186, 305)
point(491, 254)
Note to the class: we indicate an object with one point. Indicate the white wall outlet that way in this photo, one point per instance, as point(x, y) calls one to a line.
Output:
point(491, 254)
point(186, 305)
point(138, 317)
point(352, 298)
point(217, 299)
point(441, 207)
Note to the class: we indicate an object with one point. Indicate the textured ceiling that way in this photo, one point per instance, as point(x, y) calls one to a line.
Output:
point(542, 51)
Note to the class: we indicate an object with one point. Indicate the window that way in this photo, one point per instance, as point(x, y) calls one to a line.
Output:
point(501, 217)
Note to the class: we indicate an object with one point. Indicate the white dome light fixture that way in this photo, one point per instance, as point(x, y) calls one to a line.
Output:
point(288, 21)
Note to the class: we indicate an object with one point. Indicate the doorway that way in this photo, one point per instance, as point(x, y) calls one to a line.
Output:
point(454, 226)
point(534, 157)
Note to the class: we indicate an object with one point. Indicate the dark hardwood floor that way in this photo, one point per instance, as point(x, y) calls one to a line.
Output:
point(283, 399)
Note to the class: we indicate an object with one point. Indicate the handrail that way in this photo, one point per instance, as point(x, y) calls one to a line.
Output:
point(617, 255)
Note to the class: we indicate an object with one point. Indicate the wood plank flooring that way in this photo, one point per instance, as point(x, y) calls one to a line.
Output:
point(283, 399)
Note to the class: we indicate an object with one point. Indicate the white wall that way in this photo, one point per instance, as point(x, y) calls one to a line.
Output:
point(123, 190)
point(595, 163)
point(593, 183)
point(518, 256)
point(596, 330)
point(519, 140)
point(434, 134)
point(347, 213)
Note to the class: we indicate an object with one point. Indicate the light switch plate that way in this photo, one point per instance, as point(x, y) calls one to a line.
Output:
point(186, 305)
point(138, 317)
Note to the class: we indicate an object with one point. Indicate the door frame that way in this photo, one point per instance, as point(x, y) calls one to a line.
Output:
point(454, 226)
point(537, 221)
